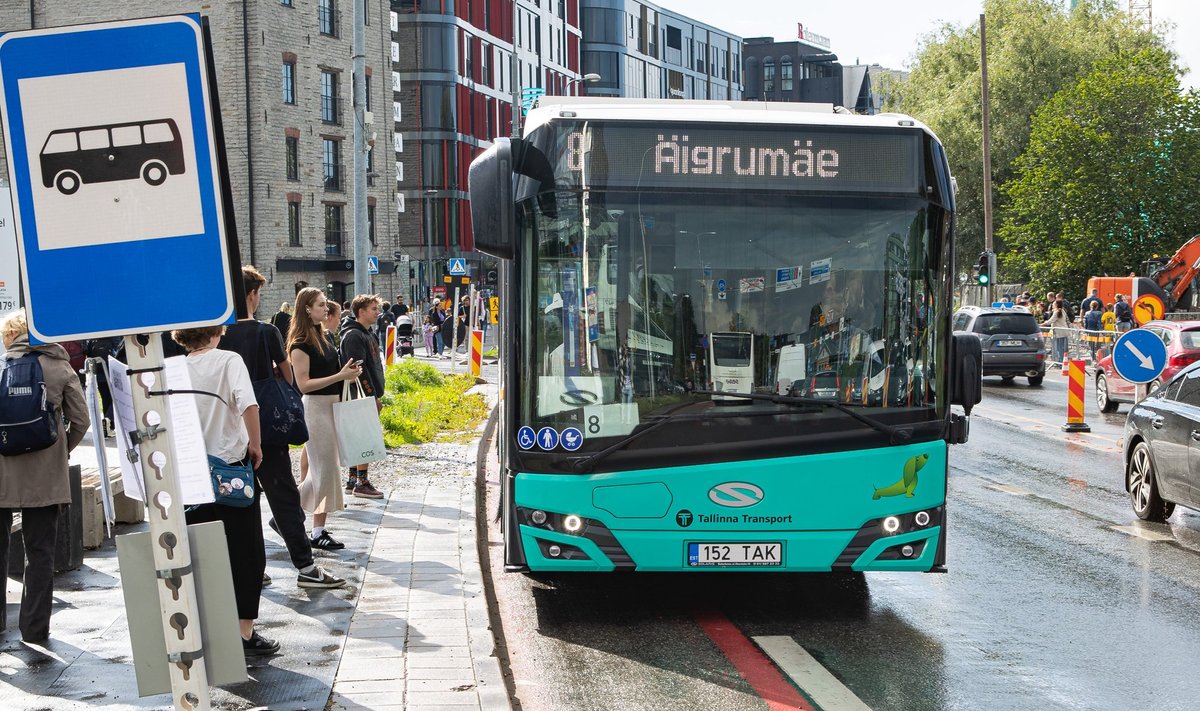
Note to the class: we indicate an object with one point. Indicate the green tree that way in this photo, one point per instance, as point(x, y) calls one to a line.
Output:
point(1035, 48)
point(1107, 179)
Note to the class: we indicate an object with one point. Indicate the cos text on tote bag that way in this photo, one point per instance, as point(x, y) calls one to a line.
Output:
point(356, 423)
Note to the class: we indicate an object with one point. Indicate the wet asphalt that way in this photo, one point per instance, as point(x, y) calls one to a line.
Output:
point(1048, 603)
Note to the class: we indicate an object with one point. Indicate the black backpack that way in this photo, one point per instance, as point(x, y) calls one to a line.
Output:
point(1122, 312)
point(28, 420)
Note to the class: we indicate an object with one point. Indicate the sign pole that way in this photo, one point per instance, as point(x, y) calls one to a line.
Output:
point(168, 529)
point(454, 335)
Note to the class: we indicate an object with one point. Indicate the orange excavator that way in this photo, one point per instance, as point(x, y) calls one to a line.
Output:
point(1169, 284)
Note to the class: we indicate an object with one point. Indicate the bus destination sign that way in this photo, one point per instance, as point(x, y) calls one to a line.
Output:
point(617, 156)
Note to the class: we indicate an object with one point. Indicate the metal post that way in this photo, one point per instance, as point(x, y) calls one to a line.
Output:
point(362, 283)
point(454, 332)
point(987, 155)
point(516, 85)
point(168, 529)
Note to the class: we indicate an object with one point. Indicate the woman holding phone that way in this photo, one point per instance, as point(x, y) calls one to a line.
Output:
point(319, 377)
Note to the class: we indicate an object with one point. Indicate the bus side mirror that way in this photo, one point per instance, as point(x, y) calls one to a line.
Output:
point(966, 371)
point(490, 181)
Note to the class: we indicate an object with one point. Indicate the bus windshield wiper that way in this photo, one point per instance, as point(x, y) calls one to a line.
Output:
point(586, 464)
point(896, 435)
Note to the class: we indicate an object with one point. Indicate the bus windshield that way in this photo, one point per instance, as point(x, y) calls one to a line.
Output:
point(633, 293)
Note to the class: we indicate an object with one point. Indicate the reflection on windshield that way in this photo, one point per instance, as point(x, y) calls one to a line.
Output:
point(642, 298)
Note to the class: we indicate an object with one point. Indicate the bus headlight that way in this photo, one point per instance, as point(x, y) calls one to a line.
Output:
point(555, 551)
point(922, 518)
point(538, 516)
point(572, 523)
point(891, 524)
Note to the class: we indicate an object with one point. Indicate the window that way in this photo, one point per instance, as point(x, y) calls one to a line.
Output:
point(292, 157)
point(285, 3)
point(327, 17)
point(674, 37)
point(367, 87)
point(331, 163)
point(334, 231)
point(371, 223)
point(1189, 389)
point(785, 75)
point(293, 219)
point(289, 82)
point(330, 111)
point(127, 136)
point(769, 76)
point(93, 139)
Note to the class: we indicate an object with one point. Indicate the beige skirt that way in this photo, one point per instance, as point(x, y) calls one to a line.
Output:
point(321, 490)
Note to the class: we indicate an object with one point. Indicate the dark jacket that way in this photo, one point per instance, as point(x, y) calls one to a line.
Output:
point(1093, 320)
point(40, 478)
point(357, 343)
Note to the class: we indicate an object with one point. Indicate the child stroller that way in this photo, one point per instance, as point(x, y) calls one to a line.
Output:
point(404, 337)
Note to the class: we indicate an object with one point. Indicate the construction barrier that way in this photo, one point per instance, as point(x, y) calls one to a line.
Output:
point(476, 352)
point(1078, 375)
point(390, 349)
point(1082, 344)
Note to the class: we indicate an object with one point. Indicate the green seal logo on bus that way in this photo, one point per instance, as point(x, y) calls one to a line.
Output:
point(906, 483)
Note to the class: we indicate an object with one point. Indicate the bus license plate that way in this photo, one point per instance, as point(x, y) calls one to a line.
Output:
point(741, 554)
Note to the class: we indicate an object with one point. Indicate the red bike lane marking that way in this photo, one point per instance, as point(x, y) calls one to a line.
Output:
point(751, 664)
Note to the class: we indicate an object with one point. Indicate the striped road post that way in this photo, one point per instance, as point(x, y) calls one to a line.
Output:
point(1075, 421)
point(476, 352)
point(390, 349)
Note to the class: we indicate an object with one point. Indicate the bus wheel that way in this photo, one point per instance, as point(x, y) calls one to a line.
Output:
point(154, 173)
point(67, 182)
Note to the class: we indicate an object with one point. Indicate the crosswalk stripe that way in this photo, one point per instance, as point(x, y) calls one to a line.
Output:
point(807, 673)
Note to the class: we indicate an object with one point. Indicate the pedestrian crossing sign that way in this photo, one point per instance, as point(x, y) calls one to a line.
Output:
point(458, 267)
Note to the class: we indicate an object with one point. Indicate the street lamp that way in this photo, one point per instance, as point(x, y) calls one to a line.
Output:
point(426, 227)
point(590, 78)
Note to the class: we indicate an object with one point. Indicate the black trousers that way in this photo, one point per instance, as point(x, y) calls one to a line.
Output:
point(39, 530)
point(247, 559)
point(277, 483)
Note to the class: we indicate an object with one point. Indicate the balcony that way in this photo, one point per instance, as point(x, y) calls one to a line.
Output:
point(334, 243)
point(333, 176)
point(331, 110)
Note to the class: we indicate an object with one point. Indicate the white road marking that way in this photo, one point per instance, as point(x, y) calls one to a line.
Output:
point(1007, 489)
point(807, 673)
point(1144, 534)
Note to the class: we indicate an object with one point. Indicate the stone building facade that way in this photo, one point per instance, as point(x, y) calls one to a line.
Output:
point(285, 81)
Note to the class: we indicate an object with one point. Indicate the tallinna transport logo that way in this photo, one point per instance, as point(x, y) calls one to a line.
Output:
point(735, 494)
point(908, 482)
point(684, 518)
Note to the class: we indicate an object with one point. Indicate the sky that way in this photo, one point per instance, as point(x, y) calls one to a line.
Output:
point(886, 32)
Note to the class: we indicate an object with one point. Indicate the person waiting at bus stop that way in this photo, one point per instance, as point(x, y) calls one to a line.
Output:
point(36, 483)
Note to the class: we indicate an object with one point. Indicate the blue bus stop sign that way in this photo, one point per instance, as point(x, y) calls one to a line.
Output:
point(1139, 356)
point(108, 129)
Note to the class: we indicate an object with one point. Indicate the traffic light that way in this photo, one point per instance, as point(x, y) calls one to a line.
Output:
point(983, 269)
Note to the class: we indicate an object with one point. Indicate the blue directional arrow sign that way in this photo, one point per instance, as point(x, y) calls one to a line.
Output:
point(458, 267)
point(109, 135)
point(1139, 356)
point(372, 265)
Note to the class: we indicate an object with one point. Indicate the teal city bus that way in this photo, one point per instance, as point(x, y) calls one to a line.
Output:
point(816, 245)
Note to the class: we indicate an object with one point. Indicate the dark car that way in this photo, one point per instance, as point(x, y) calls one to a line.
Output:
point(1162, 444)
point(1182, 339)
point(1011, 340)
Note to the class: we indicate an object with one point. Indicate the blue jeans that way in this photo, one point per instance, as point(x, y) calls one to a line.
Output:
point(438, 345)
point(1060, 348)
